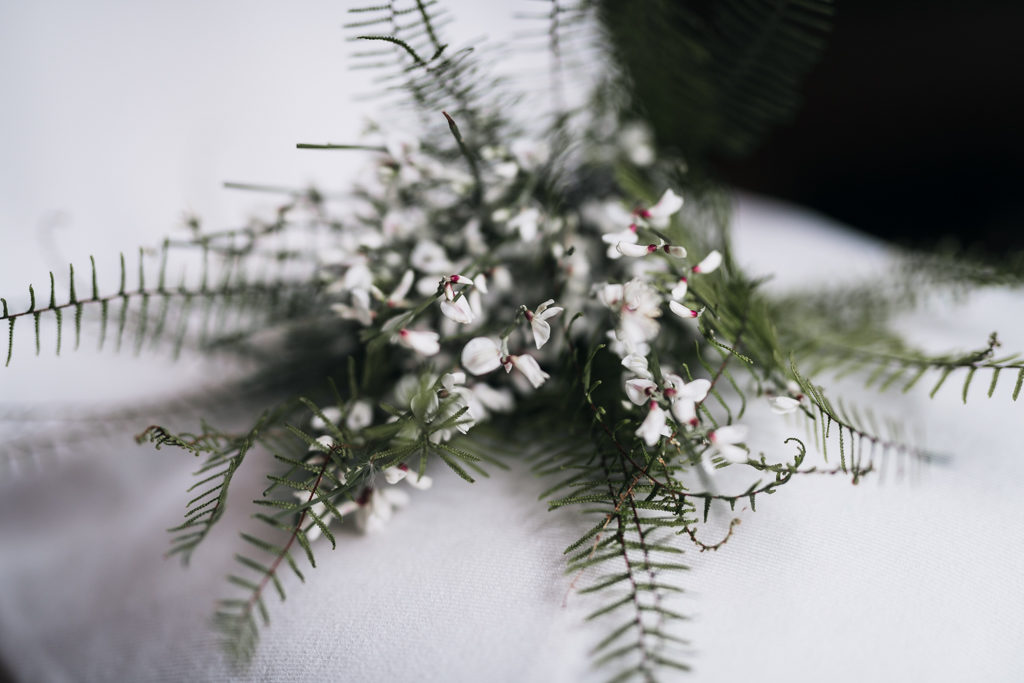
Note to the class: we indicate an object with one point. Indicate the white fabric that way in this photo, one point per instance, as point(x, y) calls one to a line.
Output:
point(912, 577)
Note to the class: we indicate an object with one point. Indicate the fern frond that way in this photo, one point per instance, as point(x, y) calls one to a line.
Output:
point(712, 77)
point(297, 517)
point(851, 430)
point(225, 454)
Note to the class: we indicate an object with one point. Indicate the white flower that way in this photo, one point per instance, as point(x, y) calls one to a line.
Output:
point(635, 141)
point(458, 310)
point(631, 249)
point(641, 306)
point(448, 285)
point(463, 423)
point(527, 222)
point(660, 213)
point(654, 425)
point(360, 415)
point(376, 508)
point(781, 405)
point(709, 264)
point(539, 321)
point(685, 397)
point(401, 471)
point(397, 297)
point(638, 305)
point(638, 250)
point(506, 170)
point(475, 409)
point(423, 342)
point(627, 236)
point(481, 355)
point(450, 380)
point(452, 383)
point(679, 291)
point(636, 364)
point(359, 310)
point(681, 310)
point(332, 413)
point(429, 257)
point(401, 223)
point(500, 279)
point(530, 368)
point(724, 440)
point(610, 295)
point(640, 391)
point(496, 400)
point(623, 345)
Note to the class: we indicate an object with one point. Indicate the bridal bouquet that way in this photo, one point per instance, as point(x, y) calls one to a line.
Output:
point(561, 289)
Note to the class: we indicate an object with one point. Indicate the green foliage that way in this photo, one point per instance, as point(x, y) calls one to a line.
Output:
point(712, 77)
point(414, 61)
point(224, 455)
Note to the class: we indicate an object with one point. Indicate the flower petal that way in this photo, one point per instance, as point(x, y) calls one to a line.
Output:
point(531, 369)
point(423, 342)
point(696, 391)
point(632, 250)
point(684, 411)
point(541, 331)
point(481, 355)
point(781, 405)
point(679, 291)
point(639, 390)
point(458, 310)
point(653, 426)
point(681, 310)
point(636, 364)
point(733, 454)
point(710, 263)
point(360, 415)
point(332, 413)
point(729, 434)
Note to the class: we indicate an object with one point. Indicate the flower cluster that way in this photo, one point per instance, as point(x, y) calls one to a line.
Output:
point(455, 289)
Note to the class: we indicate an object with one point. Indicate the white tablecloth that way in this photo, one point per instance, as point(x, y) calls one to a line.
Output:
point(916, 577)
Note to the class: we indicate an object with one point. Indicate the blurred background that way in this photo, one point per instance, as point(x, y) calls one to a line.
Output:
point(912, 125)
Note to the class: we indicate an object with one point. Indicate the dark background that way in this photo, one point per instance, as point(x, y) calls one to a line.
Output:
point(911, 126)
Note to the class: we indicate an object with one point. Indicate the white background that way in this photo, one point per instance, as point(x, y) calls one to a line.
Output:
point(117, 117)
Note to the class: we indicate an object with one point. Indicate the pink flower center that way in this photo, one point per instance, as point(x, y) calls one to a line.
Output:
point(651, 248)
